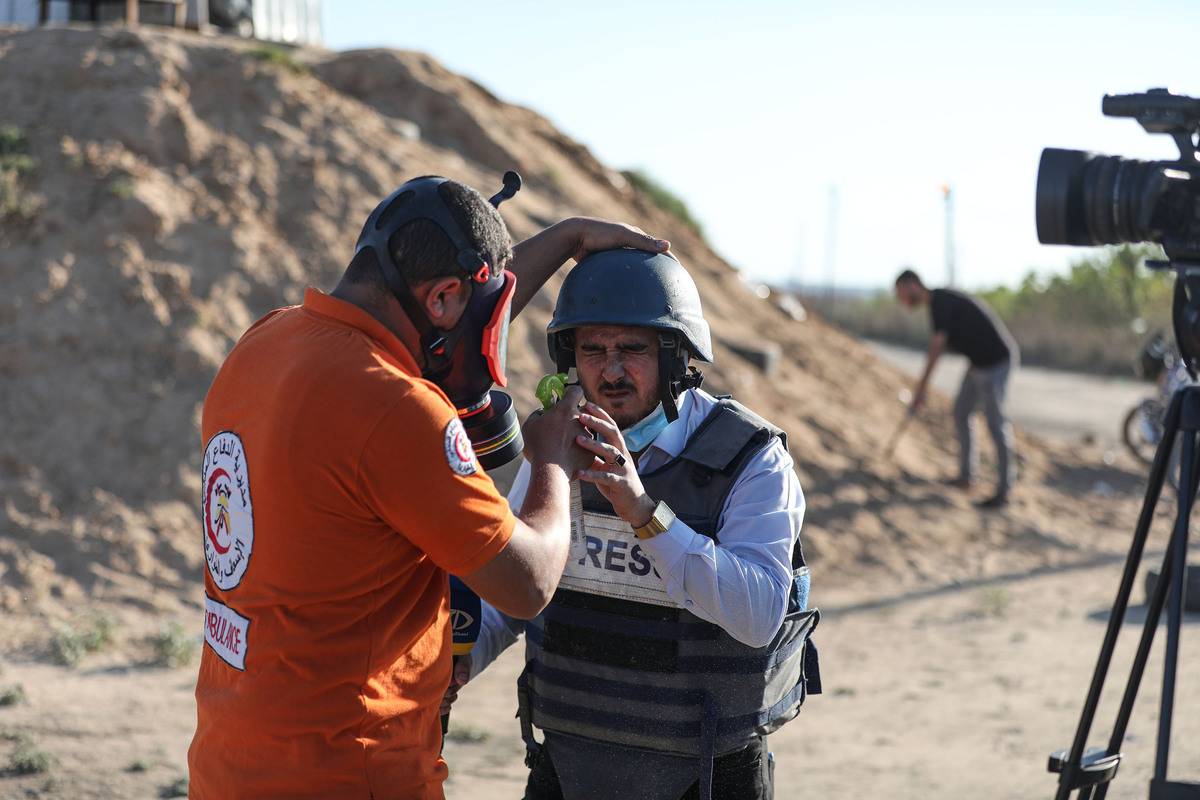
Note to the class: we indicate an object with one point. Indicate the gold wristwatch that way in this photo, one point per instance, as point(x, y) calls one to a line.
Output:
point(660, 520)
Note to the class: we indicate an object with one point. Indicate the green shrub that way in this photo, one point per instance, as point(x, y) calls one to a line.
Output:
point(121, 188)
point(663, 197)
point(15, 165)
point(176, 788)
point(70, 644)
point(174, 646)
point(994, 601)
point(12, 695)
point(14, 150)
point(278, 57)
point(27, 759)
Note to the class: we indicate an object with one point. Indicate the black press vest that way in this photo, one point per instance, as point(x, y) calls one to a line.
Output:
point(658, 677)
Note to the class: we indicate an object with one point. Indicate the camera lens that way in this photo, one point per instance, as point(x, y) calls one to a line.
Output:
point(1088, 199)
point(1059, 206)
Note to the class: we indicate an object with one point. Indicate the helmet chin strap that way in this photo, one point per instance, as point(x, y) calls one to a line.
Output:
point(436, 344)
point(674, 374)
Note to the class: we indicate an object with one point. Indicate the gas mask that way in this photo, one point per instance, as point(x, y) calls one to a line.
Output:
point(467, 360)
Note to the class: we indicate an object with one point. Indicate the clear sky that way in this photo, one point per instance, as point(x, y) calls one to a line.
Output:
point(752, 111)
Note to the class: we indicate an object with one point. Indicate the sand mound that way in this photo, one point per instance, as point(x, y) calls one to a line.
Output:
point(183, 186)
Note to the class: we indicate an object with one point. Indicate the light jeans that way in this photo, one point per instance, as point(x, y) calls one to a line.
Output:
point(986, 385)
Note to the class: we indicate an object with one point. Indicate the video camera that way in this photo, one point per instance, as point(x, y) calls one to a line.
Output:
point(1091, 199)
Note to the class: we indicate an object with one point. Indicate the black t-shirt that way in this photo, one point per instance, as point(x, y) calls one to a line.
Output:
point(971, 327)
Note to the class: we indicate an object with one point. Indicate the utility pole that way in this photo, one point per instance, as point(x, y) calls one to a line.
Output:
point(831, 237)
point(948, 196)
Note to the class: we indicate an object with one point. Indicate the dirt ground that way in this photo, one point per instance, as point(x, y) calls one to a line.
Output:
point(951, 691)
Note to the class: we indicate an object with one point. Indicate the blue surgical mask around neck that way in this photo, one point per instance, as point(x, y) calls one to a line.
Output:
point(641, 434)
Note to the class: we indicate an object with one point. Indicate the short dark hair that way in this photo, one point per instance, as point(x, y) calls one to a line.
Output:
point(908, 276)
point(423, 252)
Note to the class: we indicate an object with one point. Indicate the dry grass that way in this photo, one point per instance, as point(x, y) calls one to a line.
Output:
point(174, 646)
point(278, 57)
point(176, 788)
point(26, 758)
point(72, 643)
point(12, 695)
point(16, 164)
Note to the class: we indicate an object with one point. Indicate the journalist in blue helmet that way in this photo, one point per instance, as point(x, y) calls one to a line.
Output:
point(678, 637)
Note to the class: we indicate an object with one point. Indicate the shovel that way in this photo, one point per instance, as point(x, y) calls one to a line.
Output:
point(910, 412)
point(890, 448)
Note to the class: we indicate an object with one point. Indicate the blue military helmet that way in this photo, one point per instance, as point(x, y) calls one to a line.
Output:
point(637, 288)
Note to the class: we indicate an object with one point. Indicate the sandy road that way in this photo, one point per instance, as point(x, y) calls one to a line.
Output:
point(1051, 403)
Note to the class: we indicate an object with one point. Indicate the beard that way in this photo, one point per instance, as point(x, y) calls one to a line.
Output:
point(628, 408)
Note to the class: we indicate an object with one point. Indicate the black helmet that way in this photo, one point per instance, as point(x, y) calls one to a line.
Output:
point(636, 288)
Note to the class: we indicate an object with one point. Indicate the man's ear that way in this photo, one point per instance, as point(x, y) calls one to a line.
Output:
point(444, 300)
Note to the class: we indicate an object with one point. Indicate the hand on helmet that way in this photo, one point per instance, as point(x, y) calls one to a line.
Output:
point(592, 235)
point(614, 472)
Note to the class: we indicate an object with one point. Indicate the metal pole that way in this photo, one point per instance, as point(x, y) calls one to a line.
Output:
point(948, 197)
point(831, 237)
point(801, 257)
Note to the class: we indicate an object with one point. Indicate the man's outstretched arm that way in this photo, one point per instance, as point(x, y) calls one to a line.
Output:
point(937, 346)
point(541, 255)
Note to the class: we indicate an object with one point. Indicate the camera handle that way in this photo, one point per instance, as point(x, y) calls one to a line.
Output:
point(1091, 772)
point(1159, 111)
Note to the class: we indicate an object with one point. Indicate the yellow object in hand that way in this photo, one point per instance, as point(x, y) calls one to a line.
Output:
point(551, 389)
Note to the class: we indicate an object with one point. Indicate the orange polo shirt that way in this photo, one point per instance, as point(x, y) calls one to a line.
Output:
point(338, 490)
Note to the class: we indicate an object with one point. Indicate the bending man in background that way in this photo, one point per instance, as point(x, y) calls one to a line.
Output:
point(677, 638)
point(966, 325)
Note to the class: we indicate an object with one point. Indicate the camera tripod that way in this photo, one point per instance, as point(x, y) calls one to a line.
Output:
point(1091, 772)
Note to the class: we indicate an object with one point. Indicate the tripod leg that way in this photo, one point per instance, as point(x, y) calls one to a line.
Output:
point(1154, 606)
point(1158, 600)
point(1158, 472)
point(1178, 558)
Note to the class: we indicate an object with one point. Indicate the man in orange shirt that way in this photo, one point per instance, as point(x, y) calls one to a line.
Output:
point(340, 487)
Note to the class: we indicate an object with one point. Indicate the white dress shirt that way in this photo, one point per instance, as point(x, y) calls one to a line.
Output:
point(741, 584)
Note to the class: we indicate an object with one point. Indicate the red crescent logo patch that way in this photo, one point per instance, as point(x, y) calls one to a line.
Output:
point(226, 510)
point(460, 455)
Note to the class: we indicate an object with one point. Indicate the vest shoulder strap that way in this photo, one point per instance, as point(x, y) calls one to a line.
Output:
point(723, 442)
point(722, 437)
